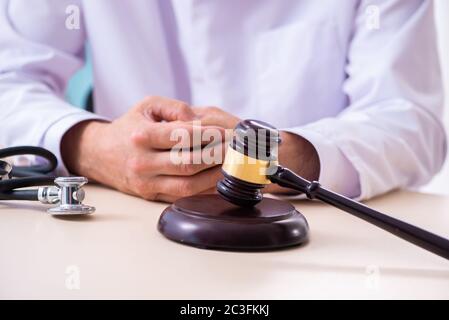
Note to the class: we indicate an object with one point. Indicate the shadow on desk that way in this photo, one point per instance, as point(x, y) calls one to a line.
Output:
point(38, 208)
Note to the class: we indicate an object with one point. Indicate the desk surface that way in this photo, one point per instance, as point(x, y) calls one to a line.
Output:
point(118, 253)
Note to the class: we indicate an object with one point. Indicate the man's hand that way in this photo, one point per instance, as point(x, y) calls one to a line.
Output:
point(132, 153)
point(215, 116)
point(295, 152)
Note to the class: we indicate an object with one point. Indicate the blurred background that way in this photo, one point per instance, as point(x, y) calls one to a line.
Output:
point(81, 84)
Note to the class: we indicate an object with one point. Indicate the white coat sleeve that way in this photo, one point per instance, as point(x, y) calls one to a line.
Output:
point(390, 136)
point(39, 52)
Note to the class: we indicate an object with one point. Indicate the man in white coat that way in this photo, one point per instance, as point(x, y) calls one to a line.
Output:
point(354, 85)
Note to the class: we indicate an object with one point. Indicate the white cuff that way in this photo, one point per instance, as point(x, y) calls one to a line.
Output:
point(53, 136)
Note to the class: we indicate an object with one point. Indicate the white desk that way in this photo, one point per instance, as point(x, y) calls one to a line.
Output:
point(118, 253)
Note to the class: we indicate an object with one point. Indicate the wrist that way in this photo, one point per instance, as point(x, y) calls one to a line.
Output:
point(300, 156)
point(78, 149)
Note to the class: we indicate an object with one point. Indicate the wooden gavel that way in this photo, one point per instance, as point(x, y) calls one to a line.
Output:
point(251, 163)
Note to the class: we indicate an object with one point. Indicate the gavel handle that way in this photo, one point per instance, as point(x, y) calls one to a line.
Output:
point(422, 238)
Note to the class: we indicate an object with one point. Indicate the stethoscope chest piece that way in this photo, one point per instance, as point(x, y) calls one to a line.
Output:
point(71, 210)
point(16, 183)
point(68, 194)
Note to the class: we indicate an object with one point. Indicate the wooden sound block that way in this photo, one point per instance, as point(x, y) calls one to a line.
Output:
point(208, 221)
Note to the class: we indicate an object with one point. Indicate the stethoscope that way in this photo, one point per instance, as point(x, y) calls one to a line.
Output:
point(65, 192)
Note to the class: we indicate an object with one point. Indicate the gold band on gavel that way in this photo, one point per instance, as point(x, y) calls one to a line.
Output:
point(247, 169)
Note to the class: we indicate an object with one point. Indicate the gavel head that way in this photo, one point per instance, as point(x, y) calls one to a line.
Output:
point(250, 158)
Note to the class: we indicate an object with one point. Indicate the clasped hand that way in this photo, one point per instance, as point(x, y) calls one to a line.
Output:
point(137, 153)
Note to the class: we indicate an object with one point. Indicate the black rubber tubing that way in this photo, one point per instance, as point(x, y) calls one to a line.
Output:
point(27, 176)
point(20, 171)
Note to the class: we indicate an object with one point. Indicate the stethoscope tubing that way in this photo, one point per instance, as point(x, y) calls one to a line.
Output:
point(20, 171)
point(27, 176)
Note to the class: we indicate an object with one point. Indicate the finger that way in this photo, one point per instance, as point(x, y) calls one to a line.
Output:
point(200, 111)
point(188, 163)
point(176, 134)
point(215, 116)
point(165, 109)
point(188, 186)
point(182, 163)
